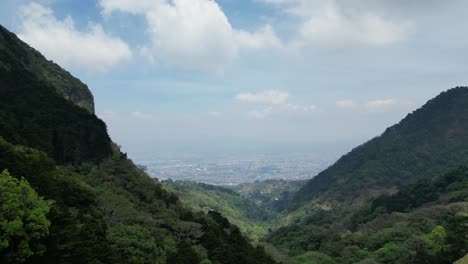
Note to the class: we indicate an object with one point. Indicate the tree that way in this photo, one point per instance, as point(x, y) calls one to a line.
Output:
point(393, 253)
point(136, 244)
point(188, 231)
point(457, 235)
point(436, 240)
point(23, 220)
point(313, 257)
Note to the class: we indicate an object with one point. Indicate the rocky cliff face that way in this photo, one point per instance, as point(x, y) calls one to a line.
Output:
point(13, 50)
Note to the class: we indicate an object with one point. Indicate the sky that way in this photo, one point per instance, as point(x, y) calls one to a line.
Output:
point(205, 74)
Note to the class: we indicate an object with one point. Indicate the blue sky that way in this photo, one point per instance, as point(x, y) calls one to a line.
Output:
point(266, 71)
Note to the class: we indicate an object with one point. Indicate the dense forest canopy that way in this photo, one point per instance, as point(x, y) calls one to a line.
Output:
point(425, 222)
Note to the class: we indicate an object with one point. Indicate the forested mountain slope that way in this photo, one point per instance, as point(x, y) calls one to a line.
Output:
point(252, 219)
point(33, 111)
point(421, 146)
point(81, 199)
point(14, 51)
point(272, 195)
point(425, 222)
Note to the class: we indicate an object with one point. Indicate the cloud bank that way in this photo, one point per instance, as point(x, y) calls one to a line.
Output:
point(342, 23)
point(59, 40)
point(272, 102)
point(192, 34)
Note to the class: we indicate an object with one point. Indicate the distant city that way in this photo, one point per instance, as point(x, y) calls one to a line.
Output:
point(235, 170)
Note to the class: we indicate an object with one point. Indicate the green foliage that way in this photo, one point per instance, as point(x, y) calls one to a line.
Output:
point(426, 222)
point(436, 240)
point(64, 83)
point(136, 243)
point(225, 243)
point(23, 220)
point(272, 195)
point(463, 260)
point(65, 132)
point(125, 217)
point(131, 200)
point(312, 257)
point(33, 114)
point(185, 254)
point(248, 216)
point(393, 253)
point(457, 234)
point(77, 224)
point(421, 146)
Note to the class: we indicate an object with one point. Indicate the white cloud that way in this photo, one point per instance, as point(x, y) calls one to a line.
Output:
point(276, 102)
point(193, 34)
point(373, 105)
point(215, 114)
point(285, 109)
point(128, 6)
point(346, 104)
point(261, 39)
point(278, 1)
point(60, 41)
point(301, 108)
point(331, 26)
point(143, 116)
point(381, 104)
point(266, 97)
point(260, 114)
point(339, 23)
point(108, 116)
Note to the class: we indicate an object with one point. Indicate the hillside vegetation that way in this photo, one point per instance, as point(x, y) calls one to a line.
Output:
point(424, 144)
point(249, 217)
point(12, 50)
point(32, 113)
point(272, 195)
point(399, 198)
point(426, 222)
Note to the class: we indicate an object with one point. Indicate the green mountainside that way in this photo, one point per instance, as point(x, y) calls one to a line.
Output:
point(425, 222)
point(253, 207)
point(399, 198)
point(249, 217)
point(424, 144)
point(33, 114)
point(68, 195)
point(272, 195)
point(14, 51)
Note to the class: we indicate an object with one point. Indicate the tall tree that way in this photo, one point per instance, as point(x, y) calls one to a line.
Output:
point(23, 220)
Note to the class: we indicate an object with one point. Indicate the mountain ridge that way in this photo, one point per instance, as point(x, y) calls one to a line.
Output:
point(69, 87)
point(425, 143)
